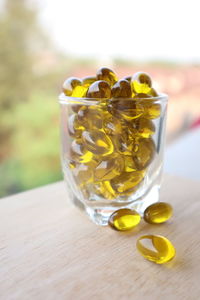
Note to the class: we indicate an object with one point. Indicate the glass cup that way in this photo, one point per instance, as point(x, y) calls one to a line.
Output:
point(112, 152)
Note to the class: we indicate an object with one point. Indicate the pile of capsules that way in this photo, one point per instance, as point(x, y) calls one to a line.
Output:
point(112, 147)
point(112, 143)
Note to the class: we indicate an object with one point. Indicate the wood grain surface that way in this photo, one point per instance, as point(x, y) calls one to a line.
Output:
point(51, 250)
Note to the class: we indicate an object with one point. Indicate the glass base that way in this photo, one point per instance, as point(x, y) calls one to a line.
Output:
point(100, 215)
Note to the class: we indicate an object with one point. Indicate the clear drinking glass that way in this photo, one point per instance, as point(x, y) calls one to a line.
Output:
point(112, 152)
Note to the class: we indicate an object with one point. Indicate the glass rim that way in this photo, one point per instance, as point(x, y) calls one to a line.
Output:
point(63, 99)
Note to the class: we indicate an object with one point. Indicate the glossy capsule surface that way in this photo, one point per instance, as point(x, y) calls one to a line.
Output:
point(104, 190)
point(69, 84)
point(88, 80)
point(141, 127)
point(91, 117)
point(121, 89)
point(129, 163)
point(75, 128)
point(83, 174)
point(156, 248)
point(112, 125)
point(79, 91)
point(79, 153)
point(144, 153)
point(99, 89)
point(158, 213)
point(127, 181)
point(97, 142)
point(125, 109)
point(107, 75)
point(124, 219)
point(151, 110)
point(141, 82)
point(109, 168)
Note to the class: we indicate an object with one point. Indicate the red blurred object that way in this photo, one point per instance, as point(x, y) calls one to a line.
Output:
point(195, 124)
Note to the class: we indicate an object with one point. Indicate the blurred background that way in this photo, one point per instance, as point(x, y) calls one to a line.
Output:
point(43, 42)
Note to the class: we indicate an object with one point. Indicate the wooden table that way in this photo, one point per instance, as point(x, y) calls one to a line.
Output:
point(50, 250)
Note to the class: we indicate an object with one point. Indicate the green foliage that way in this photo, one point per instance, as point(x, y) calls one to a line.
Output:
point(36, 146)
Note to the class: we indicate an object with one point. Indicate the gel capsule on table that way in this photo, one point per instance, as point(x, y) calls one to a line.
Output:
point(158, 213)
point(124, 219)
point(156, 248)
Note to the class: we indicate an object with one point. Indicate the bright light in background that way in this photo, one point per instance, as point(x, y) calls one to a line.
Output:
point(130, 29)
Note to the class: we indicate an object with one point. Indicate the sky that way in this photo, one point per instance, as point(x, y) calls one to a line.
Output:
point(128, 29)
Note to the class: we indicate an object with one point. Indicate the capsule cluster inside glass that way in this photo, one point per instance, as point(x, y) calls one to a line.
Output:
point(111, 143)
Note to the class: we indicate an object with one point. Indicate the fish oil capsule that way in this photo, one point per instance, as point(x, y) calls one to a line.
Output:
point(97, 142)
point(83, 174)
point(79, 153)
point(127, 181)
point(128, 78)
point(123, 144)
point(111, 125)
point(87, 81)
point(99, 89)
point(156, 248)
point(129, 164)
point(124, 219)
point(141, 82)
point(91, 117)
point(79, 91)
point(109, 168)
point(153, 93)
point(70, 84)
point(141, 127)
point(151, 110)
point(107, 75)
point(158, 213)
point(121, 89)
point(144, 152)
point(126, 109)
point(75, 128)
point(103, 189)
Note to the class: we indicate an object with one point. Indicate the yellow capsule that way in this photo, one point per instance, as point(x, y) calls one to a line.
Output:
point(129, 164)
point(144, 152)
point(87, 81)
point(141, 82)
point(72, 164)
point(104, 190)
point(79, 153)
point(151, 110)
point(127, 181)
point(97, 142)
point(121, 89)
point(111, 125)
point(128, 78)
point(75, 107)
point(141, 96)
point(83, 174)
point(70, 84)
point(91, 117)
point(125, 109)
point(153, 93)
point(124, 219)
point(79, 91)
point(123, 144)
point(141, 127)
point(158, 213)
point(109, 168)
point(75, 128)
point(107, 75)
point(99, 89)
point(156, 248)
